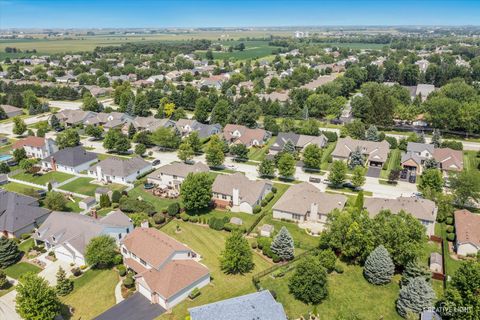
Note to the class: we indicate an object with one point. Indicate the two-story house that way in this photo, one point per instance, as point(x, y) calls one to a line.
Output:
point(235, 133)
point(36, 147)
point(167, 271)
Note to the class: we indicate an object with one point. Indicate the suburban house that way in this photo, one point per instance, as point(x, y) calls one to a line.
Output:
point(70, 117)
point(448, 159)
point(467, 230)
point(167, 271)
point(187, 126)
point(36, 147)
point(304, 202)
point(376, 153)
point(19, 214)
point(300, 141)
point(11, 111)
point(173, 174)
point(423, 209)
point(70, 160)
point(239, 193)
point(119, 170)
point(68, 233)
point(108, 121)
point(258, 305)
point(148, 124)
point(235, 133)
point(421, 90)
point(416, 155)
point(215, 81)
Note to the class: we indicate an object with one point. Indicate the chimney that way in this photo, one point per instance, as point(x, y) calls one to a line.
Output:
point(236, 197)
point(314, 211)
point(144, 224)
point(94, 213)
point(54, 164)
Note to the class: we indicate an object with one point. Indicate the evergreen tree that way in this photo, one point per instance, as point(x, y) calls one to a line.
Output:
point(4, 283)
point(283, 245)
point(289, 147)
point(414, 270)
point(359, 201)
point(430, 163)
point(416, 297)
point(131, 131)
point(54, 122)
point(237, 257)
point(379, 267)
point(104, 201)
point(372, 133)
point(266, 168)
point(9, 253)
point(64, 285)
point(356, 158)
point(130, 108)
point(436, 138)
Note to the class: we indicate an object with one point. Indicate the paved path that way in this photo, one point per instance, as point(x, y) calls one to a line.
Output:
point(118, 292)
point(7, 306)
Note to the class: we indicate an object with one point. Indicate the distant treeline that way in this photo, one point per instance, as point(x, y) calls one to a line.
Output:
point(155, 47)
point(13, 93)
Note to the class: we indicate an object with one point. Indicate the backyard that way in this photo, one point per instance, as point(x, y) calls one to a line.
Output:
point(209, 244)
point(44, 178)
point(159, 203)
point(93, 283)
point(20, 188)
point(84, 186)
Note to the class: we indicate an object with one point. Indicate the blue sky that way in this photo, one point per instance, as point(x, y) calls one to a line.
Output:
point(217, 13)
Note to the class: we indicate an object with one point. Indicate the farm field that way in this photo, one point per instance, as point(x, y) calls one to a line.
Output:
point(253, 50)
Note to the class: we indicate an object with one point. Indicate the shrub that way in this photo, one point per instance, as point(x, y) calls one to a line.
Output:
point(184, 216)
point(230, 227)
point(449, 220)
point(450, 236)
point(450, 229)
point(128, 282)
point(118, 259)
point(217, 223)
point(264, 202)
point(116, 195)
point(254, 245)
point(195, 293)
point(193, 219)
point(257, 209)
point(122, 271)
point(158, 218)
point(130, 205)
point(338, 269)
point(76, 271)
point(269, 196)
point(173, 209)
point(264, 242)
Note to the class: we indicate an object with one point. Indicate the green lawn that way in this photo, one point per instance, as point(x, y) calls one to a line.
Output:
point(392, 162)
point(72, 206)
point(253, 50)
point(16, 270)
point(19, 188)
point(209, 244)
point(470, 160)
point(44, 178)
point(258, 154)
point(157, 202)
point(326, 154)
point(94, 293)
point(300, 236)
point(248, 219)
point(349, 295)
point(26, 245)
point(82, 185)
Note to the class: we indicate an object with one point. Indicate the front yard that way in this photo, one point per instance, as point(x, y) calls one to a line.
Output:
point(393, 161)
point(209, 244)
point(20, 268)
point(94, 293)
point(350, 296)
point(84, 186)
point(258, 154)
point(44, 178)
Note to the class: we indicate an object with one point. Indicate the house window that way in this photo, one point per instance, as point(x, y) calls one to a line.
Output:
point(224, 197)
point(124, 251)
point(128, 230)
point(143, 262)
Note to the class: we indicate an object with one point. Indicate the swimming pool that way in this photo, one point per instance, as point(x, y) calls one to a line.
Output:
point(5, 157)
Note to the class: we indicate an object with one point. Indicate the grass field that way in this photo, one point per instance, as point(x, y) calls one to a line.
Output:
point(44, 178)
point(326, 154)
point(19, 188)
point(82, 185)
point(157, 202)
point(258, 154)
point(470, 160)
point(393, 161)
point(26, 245)
point(350, 296)
point(209, 244)
point(16, 270)
point(253, 50)
point(99, 284)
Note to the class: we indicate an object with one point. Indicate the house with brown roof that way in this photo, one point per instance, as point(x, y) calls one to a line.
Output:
point(167, 271)
point(376, 153)
point(467, 230)
point(235, 133)
point(239, 193)
point(173, 174)
point(423, 209)
point(36, 147)
point(148, 124)
point(305, 203)
point(187, 126)
point(300, 141)
point(448, 159)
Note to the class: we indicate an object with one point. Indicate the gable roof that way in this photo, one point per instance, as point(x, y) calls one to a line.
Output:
point(298, 199)
point(422, 209)
point(71, 157)
point(299, 140)
point(30, 141)
point(179, 169)
point(467, 227)
point(258, 305)
point(420, 147)
point(449, 159)
point(250, 191)
point(247, 135)
point(18, 211)
point(121, 167)
point(375, 151)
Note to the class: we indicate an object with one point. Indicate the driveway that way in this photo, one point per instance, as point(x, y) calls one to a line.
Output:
point(136, 307)
point(7, 306)
point(374, 172)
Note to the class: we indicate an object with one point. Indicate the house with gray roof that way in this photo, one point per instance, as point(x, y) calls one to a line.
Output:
point(148, 124)
point(415, 156)
point(11, 111)
point(70, 160)
point(423, 209)
point(173, 174)
point(238, 193)
point(375, 152)
point(119, 170)
point(258, 305)
point(304, 202)
point(300, 141)
point(68, 233)
point(19, 214)
point(187, 126)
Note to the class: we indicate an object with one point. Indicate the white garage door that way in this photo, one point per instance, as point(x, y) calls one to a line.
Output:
point(144, 291)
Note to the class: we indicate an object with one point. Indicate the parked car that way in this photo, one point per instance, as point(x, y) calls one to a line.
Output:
point(314, 179)
point(156, 162)
point(403, 174)
point(412, 178)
